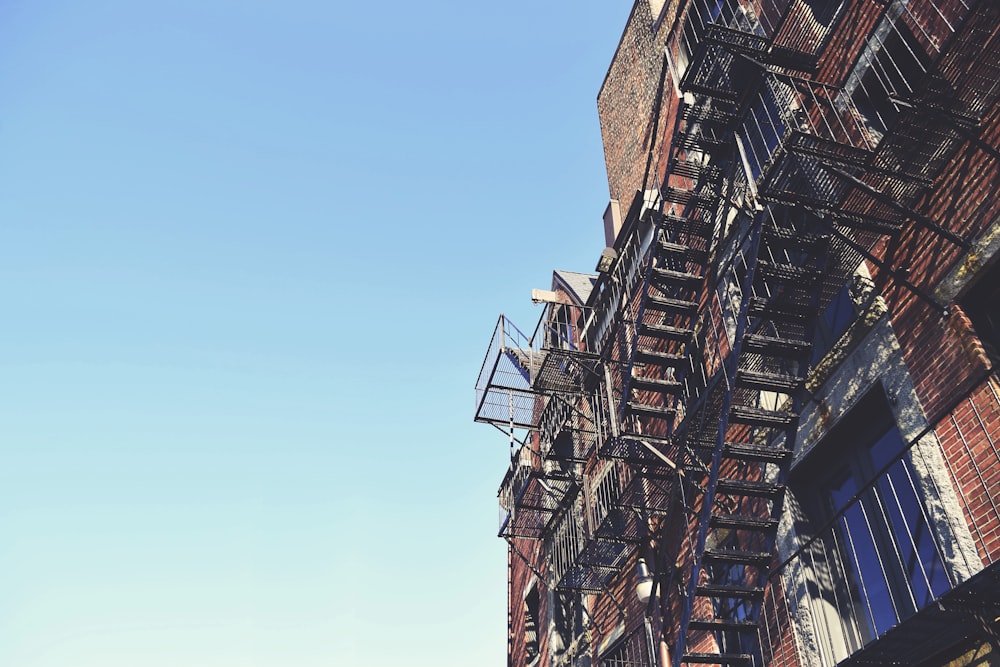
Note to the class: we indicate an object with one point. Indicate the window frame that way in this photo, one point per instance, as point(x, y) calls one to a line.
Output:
point(841, 603)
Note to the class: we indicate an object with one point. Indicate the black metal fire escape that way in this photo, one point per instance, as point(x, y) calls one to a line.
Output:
point(832, 187)
point(660, 355)
point(541, 390)
point(746, 263)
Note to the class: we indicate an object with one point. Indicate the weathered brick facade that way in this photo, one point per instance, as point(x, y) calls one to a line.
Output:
point(780, 393)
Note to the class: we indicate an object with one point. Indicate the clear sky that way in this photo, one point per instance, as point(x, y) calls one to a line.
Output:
point(252, 253)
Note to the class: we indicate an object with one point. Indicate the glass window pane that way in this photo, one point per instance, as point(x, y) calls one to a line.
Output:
point(867, 564)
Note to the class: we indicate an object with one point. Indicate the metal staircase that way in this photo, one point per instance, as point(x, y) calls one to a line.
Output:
point(742, 441)
point(662, 369)
point(833, 186)
point(686, 370)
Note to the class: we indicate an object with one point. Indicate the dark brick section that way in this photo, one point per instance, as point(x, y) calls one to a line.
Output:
point(625, 104)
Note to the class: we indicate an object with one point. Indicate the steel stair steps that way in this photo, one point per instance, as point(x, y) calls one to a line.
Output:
point(733, 557)
point(776, 382)
point(760, 453)
point(687, 225)
point(710, 91)
point(722, 625)
point(666, 359)
point(743, 487)
point(694, 169)
point(742, 414)
point(780, 311)
point(717, 658)
point(868, 223)
point(684, 252)
point(708, 113)
point(665, 332)
point(655, 411)
point(685, 197)
point(698, 142)
point(788, 273)
point(747, 505)
point(740, 522)
point(669, 277)
point(779, 237)
point(730, 591)
point(738, 40)
point(747, 452)
point(653, 439)
point(666, 304)
point(657, 384)
point(778, 347)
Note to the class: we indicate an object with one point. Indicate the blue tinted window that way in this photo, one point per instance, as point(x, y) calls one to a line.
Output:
point(833, 323)
point(882, 535)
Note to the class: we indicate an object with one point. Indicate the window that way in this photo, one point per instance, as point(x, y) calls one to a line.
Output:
point(895, 65)
point(567, 619)
point(531, 624)
point(877, 560)
point(561, 328)
point(700, 14)
point(833, 322)
point(982, 305)
point(822, 12)
point(631, 651)
point(764, 126)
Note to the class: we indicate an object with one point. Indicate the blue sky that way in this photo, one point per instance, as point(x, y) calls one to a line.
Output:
point(252, 254)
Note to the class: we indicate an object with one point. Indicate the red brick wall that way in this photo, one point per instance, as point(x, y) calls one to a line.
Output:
point(625, 104)
point(847, 41)
point(969, 436)
point(943, 355)
point(521, 578)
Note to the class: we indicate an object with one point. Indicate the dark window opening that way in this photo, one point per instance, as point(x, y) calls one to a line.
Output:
point(567, 619)
point(982, 305)
point(764, 128)
point(531, 620)
point(700, 15)
point(895, 71)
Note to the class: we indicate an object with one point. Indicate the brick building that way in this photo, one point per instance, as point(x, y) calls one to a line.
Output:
point(765, 430)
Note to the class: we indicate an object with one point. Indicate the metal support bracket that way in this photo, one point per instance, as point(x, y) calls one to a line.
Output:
point(531, 566)
point(895, 274)
point(883, 198)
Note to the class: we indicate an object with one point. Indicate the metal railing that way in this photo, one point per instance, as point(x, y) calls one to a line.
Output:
point(590, 543)
point(571, 426)
point(563, 327)
point(805, 118)
point(561, 346)
point(633, 650)
point(788, 33)
point(604, 490)
point(504, 393)
point(614, 288)
point(564, 546)
point(530, 496)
